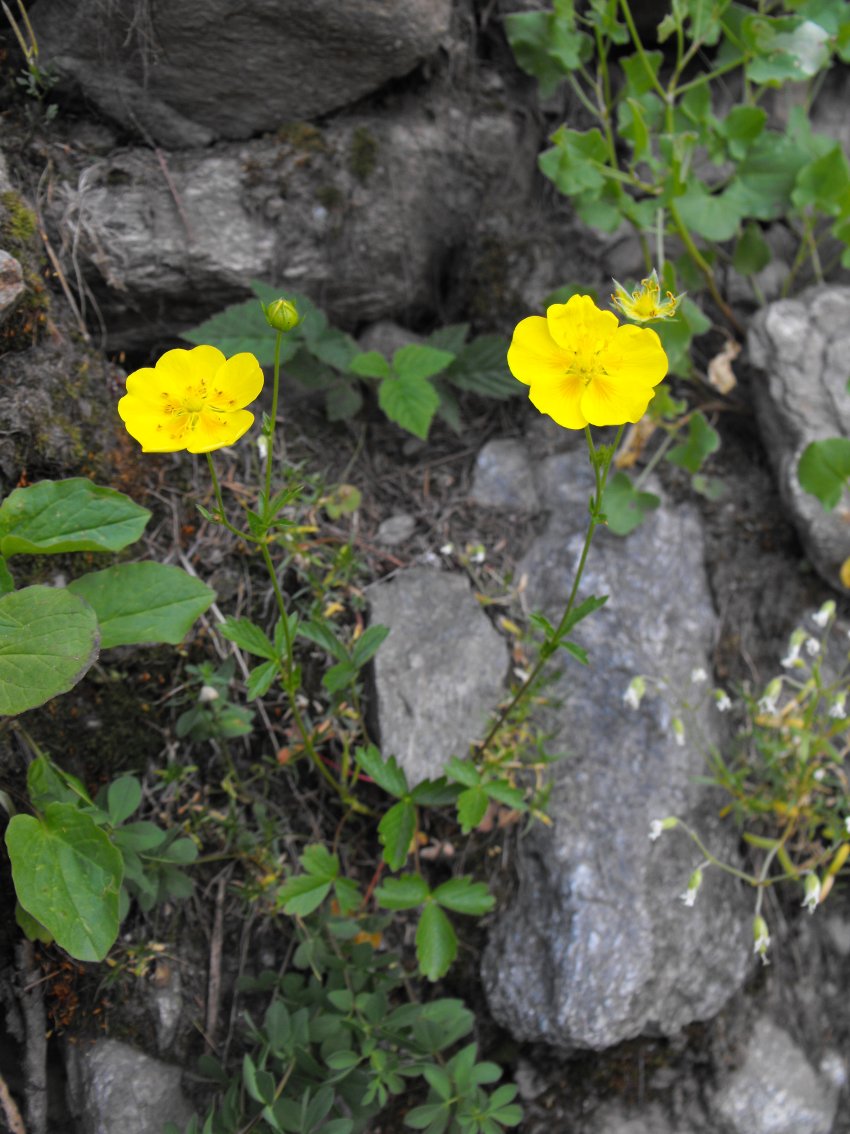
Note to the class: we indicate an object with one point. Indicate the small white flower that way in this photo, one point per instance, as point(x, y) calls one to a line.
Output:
point(722, 700)
point(208, 693)
point(837, 708)
point(656, 827)
point(263, 446)
point(678, 732)
point(447, 549)
point(761, 939)
point(822, 616)
point(812, 647)
point(634, 694)
point(819, 774)
point(694, 882)
point(811, 892)
point(847, 824)
point(767, 703)
point(698, 676)
point(791, 658)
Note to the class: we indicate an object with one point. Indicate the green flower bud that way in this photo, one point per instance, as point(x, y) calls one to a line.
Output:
point(281, 314)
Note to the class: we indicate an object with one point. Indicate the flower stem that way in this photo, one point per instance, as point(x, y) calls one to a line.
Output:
point(601, 463)
point(273, 419)
point(222, 517)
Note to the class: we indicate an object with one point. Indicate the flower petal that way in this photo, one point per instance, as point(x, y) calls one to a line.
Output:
point(579, 324)
point(236, 383)
point(533, 354)
point(200, 364)
point(609, 403)
point(153, 386)
point(561, 400)
point(634, 355)
point(217, 430)
point(156, 432)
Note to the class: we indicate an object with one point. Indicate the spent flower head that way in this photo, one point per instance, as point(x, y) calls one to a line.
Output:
point(821, 617)
point(645, 304)
point(583, 368)
point(811, 892)
point(635, 691)
point(657, 826)
point(192, 399)
point(722, 700)
point(694, 882)
point(761, 939)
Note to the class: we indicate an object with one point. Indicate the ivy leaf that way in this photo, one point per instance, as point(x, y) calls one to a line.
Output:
point(625, 508)
point(702, 440)
point(824, 470)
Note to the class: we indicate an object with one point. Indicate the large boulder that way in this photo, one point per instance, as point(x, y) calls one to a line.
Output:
point(364, 215)
point(597, 947)
point(801, 346)
point(185, 74)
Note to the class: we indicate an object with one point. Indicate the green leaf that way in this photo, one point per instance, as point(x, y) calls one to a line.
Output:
point(481, 368)
point(585, 608)
point(370, 364)
point(386, 773)
point(123, 798)
point(248, 636)
point(339, 676)
point(368, 644)
point(395, 832)
point(577, 161)
point(139, 837)
point(7, 582)
point(55, 516)
point(786, 48)
point(411, 402)
point(471, 808)
point(436, 942)
point(320, 634)
point(302, 895)
point(463, 771)
point(48, 640)
point(824, 470)
point(242, 327)
point(416, 361)
point(260, 680)
point(334, 347)
point(67, 876)
point(824, 184)
point(740, 128)
point(465, 896)
point(712, 215)
point(403, 893)
point(449, 338)
point(143, 602)
point(547, 45)
point(752, 252)
point(625, 508)
point(33, 930)
point(702, 440)
point(343, 401)
point(319, 861)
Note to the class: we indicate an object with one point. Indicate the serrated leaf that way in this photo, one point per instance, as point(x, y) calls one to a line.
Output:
point(403, 893)
point(436, 942)
point(386, 773)
point(302, 895)
point(319, 861)
point(321, 635)
point(48, 640)
point(585, 608)
point(416, 361)
point(449, 338)
point(55, 516)
point(143, 602)
point(370, 364)
point(248, 636)
point(463, 771)
point(824, 469)
point(465, 896)
point(395, 832)
point(242, 327)
point(411, 402)
point(260, 680)
point(471, 808)
point(339, 676)
point(481, 368)
point(67, 876)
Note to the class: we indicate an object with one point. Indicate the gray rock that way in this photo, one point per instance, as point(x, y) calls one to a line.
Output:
point(395, 529)
point(802, 345)
point(439, 673)
point(184, 74)
point(164, 241)
point(596, 947)
point(616, 1119)
point(503, 477)
point(12, 286)
point(386, 337)
point(115, 1089)
point(776, 1090)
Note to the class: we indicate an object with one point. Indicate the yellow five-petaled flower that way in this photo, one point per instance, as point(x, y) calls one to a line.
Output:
point(192, 399)
point(583, 367)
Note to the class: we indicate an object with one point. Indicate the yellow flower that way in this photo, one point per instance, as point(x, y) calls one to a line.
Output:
point(583, 367)
point(192, 399)
point(645, 304)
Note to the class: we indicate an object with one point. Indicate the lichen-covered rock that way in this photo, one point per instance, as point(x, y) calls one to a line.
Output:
point(597, 947)
point(12, 286)
point(440, 672)
point(802, 346)
point(185, 74)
